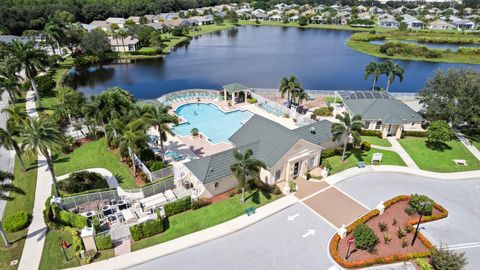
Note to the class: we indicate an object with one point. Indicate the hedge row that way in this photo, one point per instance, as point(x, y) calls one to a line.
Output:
point(178, 206)
point(367, 132)
point(147, 229)
point(69, 219)
point(16, 222)
point(387, 259)
point(104, 241)
point(407, 133)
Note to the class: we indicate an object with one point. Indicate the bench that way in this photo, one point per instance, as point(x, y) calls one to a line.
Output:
point(361, 164)
point(250, 211)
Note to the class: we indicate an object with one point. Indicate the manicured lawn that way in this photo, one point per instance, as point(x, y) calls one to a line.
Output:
point(53, 258)
point(27, 182)
point(439, 160)
point(356, 155)
point(473, 135)
point(377, 141)
point(94, 155)
point(196, 220)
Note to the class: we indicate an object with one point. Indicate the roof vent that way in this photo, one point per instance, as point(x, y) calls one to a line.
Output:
point(312, 130)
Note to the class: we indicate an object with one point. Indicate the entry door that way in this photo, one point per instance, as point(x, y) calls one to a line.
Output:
point(296, 169)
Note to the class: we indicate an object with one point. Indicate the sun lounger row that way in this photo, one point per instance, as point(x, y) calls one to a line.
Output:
point(192, 96)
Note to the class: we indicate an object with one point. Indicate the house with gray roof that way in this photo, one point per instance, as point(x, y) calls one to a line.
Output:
point(380, 111)
point(287, 154)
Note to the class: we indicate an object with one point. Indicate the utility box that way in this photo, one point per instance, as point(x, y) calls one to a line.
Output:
point(88, 238)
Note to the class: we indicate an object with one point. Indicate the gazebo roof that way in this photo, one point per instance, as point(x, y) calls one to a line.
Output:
point(151, 102)
point(234, 87)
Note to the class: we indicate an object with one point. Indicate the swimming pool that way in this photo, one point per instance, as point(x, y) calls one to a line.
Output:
point(210, 121)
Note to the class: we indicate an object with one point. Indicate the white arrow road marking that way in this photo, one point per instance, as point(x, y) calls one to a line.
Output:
point(309, 232)
point(463, 246)
point(293, 217)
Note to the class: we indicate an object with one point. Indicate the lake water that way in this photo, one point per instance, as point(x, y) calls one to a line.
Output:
point(256, 56)
point(441, 46)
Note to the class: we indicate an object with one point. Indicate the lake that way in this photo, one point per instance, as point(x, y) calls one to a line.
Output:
point(256, 56)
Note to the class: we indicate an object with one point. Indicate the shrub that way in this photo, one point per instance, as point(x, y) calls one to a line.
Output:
point(69, 219)
point(400, 233)
point(252, 100)
point(104, 241)
point(82, 181)
point(415, 203)
point(423, 264)
point(387, 238)
point(146, 51)
point(199, 203)
point(366, 132)
point(420, 134)
point(194, 131)
point(147, 229)
point(292, 186)
point(16, 222)
point(178, 206)
point(404, 242)
point(331, 152)
point(410, 211)
point(401, 48)
point(157, 165)
point(365, 146)
point(439, 131)
point(147, 155)
point(447, 259)
point(365, 238)
point(323, 111)
point(408, 229)
point(394, 222)
point(45, 84)
point(383, 226)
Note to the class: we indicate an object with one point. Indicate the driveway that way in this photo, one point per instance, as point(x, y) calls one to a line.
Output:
point(273, 243)
point(460, 198)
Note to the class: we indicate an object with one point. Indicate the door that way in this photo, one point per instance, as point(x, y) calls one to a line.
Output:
point(296, 169)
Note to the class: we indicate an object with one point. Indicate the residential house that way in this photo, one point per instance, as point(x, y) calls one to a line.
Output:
point(287, 154)
point(135, 19)
point(275, 17)
point(119, 21)
point(362, 9)
point(317, 19)
point(412, 22)
point(203, 20)
point(376, 10)
point(441, 25)
point(153, 18)
point(388, 23)
point(7, 39)
point(157, 25)
point(88, 27)
point(380, 111)
point(294, 18)
point(128, 44)
point(104, 25)
point(463, 24)
point(280, 6)
point(364, 16)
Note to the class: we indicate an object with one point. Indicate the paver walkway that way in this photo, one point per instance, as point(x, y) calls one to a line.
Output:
point(123, 247)
point(468, 144)
point(32, 251)
point(397, 147)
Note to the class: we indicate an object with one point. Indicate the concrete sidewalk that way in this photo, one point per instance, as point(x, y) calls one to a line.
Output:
point(194, 239)
point(397, 147)
point(468, 145)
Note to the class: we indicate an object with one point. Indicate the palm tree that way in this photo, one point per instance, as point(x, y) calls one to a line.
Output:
point(41, 134)
point(4, 190)
point(348, 126)
point(290, 86)
point(31, 59)
point(160, 118)
point(122, 34)
point(16, 116)
point(375, 69)
point(9, 79)
point(9, 140)
point(131, 139)
point(54, 34)
point(245, 166)
point(392, 70)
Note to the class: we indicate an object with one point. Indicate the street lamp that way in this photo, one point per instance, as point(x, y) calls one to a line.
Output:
point(422, 204)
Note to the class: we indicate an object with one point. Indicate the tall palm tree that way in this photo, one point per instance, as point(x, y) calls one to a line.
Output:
point(9, 140)
point(392, 70)
point(4, 190)
point(346, 128)
point(161, 119)
point(123, 35)
point(16, 116)
point(30, 59)
point(290, 86)
point(131, 139)
point(373, 69)
point(9, 79)
point(41, 134)
point(54, 34)
point(245, 167)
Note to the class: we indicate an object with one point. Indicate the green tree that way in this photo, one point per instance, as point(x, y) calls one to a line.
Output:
point(232, 16)
point(64, 17)
point(347, 127)
point(373, 69)
point(72, 100)
point(161, 119)
point(30, 59)
point(245, 167)
point(392, 70)
point(130, 139)
point(443, 259)
point(6, 188)
point(129, 23)
point(9, 139)
point(54, 34)
point(303, 21)
point(95, 42)
point(16, 116)
point(439, 132)
point(9, 79)
point(290, 86)
point(114, 27)
point(155, 39)
point(143, 20)
point(42, 135)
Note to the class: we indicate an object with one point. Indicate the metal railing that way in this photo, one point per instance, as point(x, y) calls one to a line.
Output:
point(74, 201)
point(162, 173)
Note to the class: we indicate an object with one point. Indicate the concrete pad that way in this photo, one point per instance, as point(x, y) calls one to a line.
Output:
point(307, 188)
point(336, 207)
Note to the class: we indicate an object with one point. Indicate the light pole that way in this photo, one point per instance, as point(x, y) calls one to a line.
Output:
point(423, 204)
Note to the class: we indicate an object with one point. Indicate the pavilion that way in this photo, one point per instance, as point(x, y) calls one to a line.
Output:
point(233, 89)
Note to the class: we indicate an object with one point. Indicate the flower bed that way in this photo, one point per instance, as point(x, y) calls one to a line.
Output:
point(395, 250)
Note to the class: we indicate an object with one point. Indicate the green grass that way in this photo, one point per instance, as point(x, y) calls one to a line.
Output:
point(27, 182)
point(94, 155)
point(376, 141)
point(53, 258)
point(356, 155)
point(439, 160)
point(196, 220)
point(473, 135)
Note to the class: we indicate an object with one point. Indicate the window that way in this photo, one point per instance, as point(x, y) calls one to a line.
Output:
point(278, 174)
point(366, 125)
point(311, 162)
point(413, 124)
point(378, 125)
point(216, 184)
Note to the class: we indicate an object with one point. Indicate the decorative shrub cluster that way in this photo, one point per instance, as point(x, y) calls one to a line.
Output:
point(416, 200)
point(447, 259)
point(421, 134)
point(45, 84)
point(16, 222)
point(104, 241)
point(69, 219)
point(323, 111)
point(367, 132)
point(401, 48)
point(365, 238)
point(178, 206)
point(199, 203)
point(82, 181)
point(365, 146)
point(252, 100)
point(147, 229)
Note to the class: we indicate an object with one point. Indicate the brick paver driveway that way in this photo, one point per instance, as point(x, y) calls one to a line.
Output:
point(307, 188)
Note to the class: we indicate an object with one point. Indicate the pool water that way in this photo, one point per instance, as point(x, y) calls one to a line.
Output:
point(213, 123)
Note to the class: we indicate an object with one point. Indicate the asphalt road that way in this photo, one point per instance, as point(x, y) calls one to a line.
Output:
point(6, 157)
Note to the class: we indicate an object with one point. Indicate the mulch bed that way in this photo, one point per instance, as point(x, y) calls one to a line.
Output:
point(396, 211)
point(221, 197)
